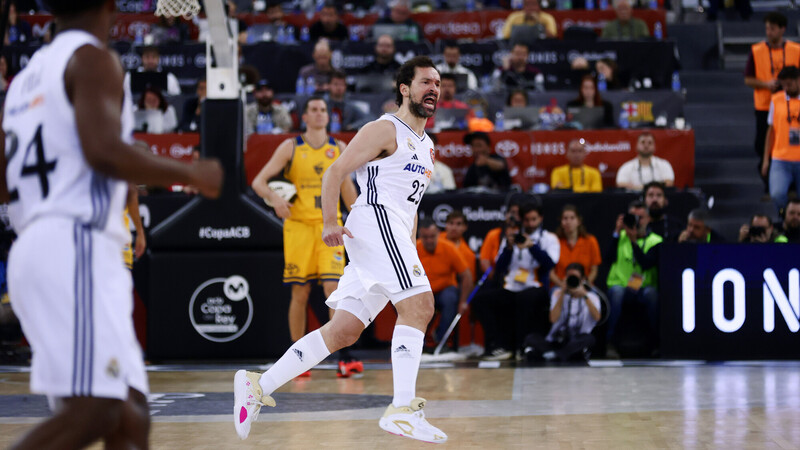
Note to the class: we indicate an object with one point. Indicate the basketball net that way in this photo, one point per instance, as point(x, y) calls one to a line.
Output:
point(176, 8)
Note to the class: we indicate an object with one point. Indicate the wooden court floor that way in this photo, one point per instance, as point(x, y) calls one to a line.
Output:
point(610, 406)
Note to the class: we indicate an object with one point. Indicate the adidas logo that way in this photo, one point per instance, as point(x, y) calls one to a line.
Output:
point(298, 353)
point(402, 348)
point(414, 157)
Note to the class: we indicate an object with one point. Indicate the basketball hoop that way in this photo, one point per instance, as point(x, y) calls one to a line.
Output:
point(175, 8)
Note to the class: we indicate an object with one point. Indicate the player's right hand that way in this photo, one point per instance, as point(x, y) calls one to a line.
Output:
point(208, 176)
point(281, 207)
point(333, 235)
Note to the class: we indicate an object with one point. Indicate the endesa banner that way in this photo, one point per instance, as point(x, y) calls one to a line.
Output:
point(734, 301)
point(435, 25)
point(532, 155)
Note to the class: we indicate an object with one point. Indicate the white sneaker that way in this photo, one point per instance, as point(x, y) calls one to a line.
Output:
point(498, 354)
point(409, 421)
point(247, 401)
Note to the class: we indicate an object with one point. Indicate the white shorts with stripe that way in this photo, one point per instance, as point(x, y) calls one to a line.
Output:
point(384, 265)
point(74, 298)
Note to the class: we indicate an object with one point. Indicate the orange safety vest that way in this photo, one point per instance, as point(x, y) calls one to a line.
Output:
point(768, 62)
point(782, 120)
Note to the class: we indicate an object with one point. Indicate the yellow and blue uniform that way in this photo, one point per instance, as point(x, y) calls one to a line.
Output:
point(305, 254)
point(127, 251)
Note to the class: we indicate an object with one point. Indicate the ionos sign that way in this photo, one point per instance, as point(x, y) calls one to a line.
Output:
point(735, 301)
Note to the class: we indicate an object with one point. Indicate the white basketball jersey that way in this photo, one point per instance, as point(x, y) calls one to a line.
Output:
point(397, 182)
point(46, 171)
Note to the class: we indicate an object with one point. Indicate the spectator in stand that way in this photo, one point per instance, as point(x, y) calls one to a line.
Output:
point(452, 64)
point(760, 231)
point(661, 223)
point(321, 69)
point(275, 14)
point(508, 314)
point(531, 14)
point(633, 275)
point(151, 62)
point(574, 311)
point(5, 76)
point(169, 30)
point(18, 31)
point(766, 60)
point(266, 116)
point(400, 14)
point(443, 265)
point(352, 116)
point(577, 247)
point(515, 71)
point(153, 100)
point(791, 221)
point(384, 63)
point(454, 229)
point(646, 167)
point(190, 120)
point(329, 26)
point(697, 230)
point(589, 97)
point(491, 243)
point(625, 27)
point(447, 100)
point(488, 170)
point(609, 69)
point(781, 156)
point(517, 98)
point(442, 179)
point(576, 176)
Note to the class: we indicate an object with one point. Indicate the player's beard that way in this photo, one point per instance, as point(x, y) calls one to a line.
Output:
point(418, 108)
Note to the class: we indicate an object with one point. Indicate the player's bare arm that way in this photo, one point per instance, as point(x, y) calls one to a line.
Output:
point(93, 81)
point(276, 164)
point(349, 191)
point(132, 202)
point(375, 140)
point(4, 197)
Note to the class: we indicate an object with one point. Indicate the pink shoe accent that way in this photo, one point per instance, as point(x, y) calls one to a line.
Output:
point(242, 415)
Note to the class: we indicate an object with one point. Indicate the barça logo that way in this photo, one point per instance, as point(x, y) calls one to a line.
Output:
point(330, 153)
point(638, 111)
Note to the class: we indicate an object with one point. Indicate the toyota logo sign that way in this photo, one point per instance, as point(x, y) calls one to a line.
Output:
point(507, 148)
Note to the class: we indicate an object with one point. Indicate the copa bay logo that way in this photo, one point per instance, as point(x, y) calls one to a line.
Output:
point(221, 309)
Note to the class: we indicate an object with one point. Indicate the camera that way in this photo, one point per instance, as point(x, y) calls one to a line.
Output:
point(757, 231)
point(573, 282)
point(520, 238)
point(630, 220)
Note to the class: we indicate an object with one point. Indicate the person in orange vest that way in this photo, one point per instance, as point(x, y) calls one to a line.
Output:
point(766, 60)
point(782, 147)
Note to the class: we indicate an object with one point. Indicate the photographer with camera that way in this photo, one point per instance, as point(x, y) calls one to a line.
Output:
point(760, 231)
point(574, 311)
point(633, 275)
point(527, 254)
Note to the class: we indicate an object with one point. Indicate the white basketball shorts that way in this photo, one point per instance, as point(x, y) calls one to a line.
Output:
point(74, 298)
point(384, 265)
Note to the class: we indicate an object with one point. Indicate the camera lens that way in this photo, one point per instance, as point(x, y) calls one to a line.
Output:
point(573, 281)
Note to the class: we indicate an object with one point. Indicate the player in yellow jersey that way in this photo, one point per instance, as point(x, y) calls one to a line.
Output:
point(303, 160)
point(132, 213)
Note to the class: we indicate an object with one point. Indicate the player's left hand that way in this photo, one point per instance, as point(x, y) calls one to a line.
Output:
point(333, 235)
point(139, 245)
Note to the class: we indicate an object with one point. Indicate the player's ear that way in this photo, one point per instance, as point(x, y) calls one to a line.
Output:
point(404, 90)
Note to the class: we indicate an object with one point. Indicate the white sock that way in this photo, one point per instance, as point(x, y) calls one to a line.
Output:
point(301, 356)
point(406, 352)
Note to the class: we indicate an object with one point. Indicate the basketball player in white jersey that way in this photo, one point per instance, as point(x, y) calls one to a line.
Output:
point(67, 134)
point(393, 159)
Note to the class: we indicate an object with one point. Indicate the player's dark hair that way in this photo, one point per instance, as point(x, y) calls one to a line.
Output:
point(406, 73)
point(776, 18)
point(62, 8)
point(311, 99)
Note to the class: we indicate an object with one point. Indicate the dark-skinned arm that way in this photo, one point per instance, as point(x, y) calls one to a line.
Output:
point(93, 81)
